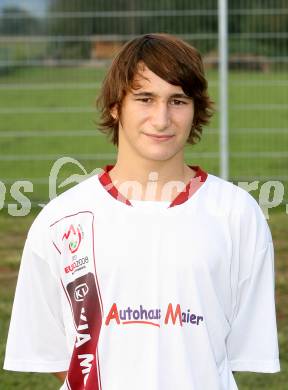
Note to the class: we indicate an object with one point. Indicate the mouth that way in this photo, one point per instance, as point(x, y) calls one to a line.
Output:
point(159, 137)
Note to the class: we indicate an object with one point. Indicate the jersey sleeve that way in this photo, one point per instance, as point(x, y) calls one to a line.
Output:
point(252, 343)
point(36, 339)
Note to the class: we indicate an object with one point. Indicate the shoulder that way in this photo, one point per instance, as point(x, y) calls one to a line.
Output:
point(230, 196)
point(235, 204)
point(81, 197)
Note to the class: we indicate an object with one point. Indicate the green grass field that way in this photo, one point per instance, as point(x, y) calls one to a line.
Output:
point(14, 104)
point(245, 113)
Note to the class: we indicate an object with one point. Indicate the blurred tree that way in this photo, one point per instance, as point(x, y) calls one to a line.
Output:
point(88, 25)
point(200, 24)
point(272, 21)
point(17, 21)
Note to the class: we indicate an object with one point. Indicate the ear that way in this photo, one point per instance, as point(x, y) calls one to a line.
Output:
point(114, 111)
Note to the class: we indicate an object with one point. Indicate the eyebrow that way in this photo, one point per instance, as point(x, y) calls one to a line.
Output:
point(174, 95)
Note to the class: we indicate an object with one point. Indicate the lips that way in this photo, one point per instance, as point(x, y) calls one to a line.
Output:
point(159, 137)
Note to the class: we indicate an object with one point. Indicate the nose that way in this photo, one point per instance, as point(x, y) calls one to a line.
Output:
point(160, 117)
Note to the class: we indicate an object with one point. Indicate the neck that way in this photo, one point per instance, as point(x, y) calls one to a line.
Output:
point(142, 170)
point(154, 179)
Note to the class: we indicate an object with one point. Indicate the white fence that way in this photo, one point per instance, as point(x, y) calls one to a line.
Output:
point(51, 65)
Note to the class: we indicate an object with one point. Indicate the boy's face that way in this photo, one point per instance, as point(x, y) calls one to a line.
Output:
point(156, 119)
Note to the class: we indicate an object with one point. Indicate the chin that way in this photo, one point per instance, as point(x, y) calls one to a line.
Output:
point(158, 156)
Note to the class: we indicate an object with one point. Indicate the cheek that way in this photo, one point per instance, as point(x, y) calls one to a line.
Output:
point(184, 119)
point(189, 116)
point(134, 116)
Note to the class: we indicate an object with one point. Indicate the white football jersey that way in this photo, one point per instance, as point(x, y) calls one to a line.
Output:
point(146, 295)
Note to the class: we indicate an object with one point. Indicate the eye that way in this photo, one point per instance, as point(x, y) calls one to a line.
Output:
point(176, 102)
point(144, 100)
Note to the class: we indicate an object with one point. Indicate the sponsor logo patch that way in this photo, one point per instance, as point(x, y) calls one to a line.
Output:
point(77, 265)
point(152, 316)
point(74, 236)
point(80, 292)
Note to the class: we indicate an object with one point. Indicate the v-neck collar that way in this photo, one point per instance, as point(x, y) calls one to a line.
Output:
point(192, 186)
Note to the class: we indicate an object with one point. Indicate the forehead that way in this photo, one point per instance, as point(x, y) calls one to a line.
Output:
point(146, 79)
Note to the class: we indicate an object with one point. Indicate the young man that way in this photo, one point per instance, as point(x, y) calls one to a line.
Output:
point(152, 275)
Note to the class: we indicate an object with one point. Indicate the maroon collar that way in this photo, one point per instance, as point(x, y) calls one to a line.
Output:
point(193, 185)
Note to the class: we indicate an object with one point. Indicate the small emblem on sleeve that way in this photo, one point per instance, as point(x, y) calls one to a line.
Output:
point(80, 292)
point(74, 237)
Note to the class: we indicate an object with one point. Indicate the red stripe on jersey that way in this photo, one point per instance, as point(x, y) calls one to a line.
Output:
point(106, 182)
point(83, 369)
point(194, 184)
point(83, 295)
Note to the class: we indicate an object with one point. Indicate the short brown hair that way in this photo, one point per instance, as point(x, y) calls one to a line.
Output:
point(170, 58)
